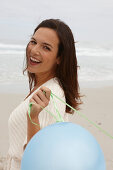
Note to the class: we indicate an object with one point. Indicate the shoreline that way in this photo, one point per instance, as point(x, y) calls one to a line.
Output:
point(18, 88)
point(97, 106)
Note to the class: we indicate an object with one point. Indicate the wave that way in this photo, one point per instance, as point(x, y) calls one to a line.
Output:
point(96, 64)
point(100, 52)
point(11, 52)
point(12, 49)
point(11, 46)
point(81, 51)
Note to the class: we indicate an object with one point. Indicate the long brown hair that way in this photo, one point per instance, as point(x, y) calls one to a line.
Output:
point(67, 70)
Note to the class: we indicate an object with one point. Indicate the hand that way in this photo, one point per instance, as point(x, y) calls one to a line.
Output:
point(40, 99)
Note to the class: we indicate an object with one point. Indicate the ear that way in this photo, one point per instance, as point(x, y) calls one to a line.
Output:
point(58, 60)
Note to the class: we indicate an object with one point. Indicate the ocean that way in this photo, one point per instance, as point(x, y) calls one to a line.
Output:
point(96, 67)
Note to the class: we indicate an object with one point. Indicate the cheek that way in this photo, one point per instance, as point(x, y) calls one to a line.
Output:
point(29, 48)
point(50, 60)
point(49, 57)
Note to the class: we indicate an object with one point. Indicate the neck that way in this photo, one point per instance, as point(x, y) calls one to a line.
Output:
point(41, 78)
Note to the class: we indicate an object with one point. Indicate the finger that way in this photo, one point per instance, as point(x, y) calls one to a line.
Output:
point(47, 91)
point(42, 96)
point(34, 101)
point(35, 109)
point(38, 100)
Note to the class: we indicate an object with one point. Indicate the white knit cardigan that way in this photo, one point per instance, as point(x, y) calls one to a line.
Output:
point(17, 123)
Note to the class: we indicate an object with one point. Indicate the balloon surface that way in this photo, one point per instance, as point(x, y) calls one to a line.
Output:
point(63, 146)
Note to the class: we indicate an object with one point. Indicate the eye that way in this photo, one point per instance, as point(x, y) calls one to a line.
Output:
point(32, 42)
point(46, 47)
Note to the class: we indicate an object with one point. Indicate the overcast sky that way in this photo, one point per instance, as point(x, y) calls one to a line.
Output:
point(90, 20)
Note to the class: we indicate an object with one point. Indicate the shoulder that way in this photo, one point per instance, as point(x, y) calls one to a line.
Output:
point(54, 86)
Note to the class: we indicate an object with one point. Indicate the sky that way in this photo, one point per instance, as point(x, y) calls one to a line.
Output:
point(90, 20)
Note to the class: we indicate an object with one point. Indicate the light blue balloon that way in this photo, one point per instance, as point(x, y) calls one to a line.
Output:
point(63, 146)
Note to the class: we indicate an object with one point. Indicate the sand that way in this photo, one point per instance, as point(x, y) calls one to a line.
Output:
point(97, 106)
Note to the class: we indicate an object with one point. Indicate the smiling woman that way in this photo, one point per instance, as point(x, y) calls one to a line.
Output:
point(51, 65)
point(42, 52)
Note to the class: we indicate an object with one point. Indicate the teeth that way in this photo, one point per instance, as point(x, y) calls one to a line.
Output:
point(33, 59)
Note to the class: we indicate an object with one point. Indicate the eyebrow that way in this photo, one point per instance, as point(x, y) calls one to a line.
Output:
point(43, 42)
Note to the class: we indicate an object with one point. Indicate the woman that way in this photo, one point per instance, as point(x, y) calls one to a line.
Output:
point(51, 65)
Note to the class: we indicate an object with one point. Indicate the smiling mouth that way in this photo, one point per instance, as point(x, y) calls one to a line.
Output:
point(34, 61)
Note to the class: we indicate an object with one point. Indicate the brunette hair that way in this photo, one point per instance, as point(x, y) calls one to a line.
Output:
point(67, 70)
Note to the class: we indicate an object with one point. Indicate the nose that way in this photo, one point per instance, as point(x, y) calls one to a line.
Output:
point(35, 50)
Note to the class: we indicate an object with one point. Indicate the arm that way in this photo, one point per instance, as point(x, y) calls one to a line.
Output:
point(31, 128)
point(38, 99)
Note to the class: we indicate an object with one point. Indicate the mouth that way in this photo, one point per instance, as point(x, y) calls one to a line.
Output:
point(34, 61)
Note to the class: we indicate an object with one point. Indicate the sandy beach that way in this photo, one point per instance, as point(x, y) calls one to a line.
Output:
point(97, 106)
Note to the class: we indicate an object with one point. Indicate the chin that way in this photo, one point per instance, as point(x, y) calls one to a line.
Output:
point(31, 70)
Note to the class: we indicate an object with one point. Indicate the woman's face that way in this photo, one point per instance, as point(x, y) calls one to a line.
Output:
point(42, 51)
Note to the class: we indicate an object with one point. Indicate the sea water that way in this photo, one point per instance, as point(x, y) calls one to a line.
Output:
point(96, 67)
